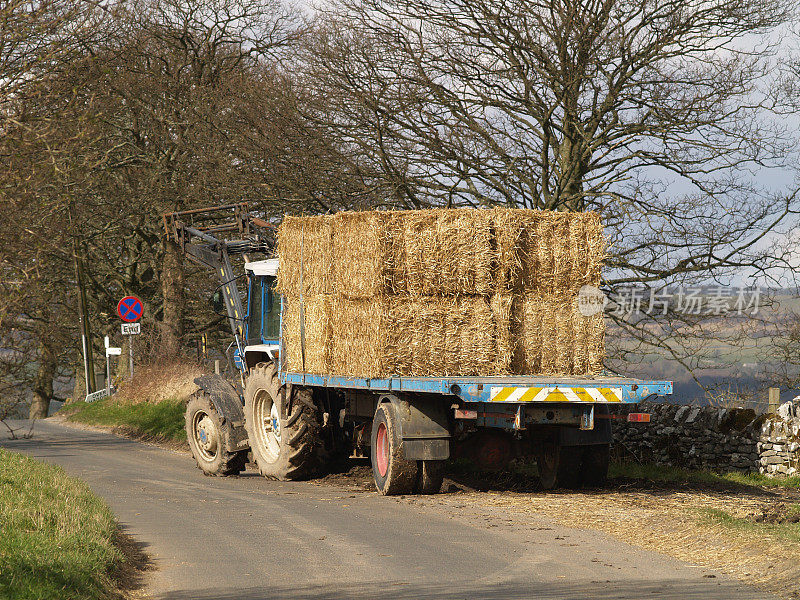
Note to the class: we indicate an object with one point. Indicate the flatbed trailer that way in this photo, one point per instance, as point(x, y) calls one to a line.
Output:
point(291, 423)
point(511, 388)
point(564, 421)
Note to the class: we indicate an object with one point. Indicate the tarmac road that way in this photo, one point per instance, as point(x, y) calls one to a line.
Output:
point(249, 538)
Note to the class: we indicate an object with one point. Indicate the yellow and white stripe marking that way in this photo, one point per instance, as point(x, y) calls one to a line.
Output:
point(555, 394)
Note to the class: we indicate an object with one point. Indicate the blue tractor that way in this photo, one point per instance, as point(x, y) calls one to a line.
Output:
point(290, 423)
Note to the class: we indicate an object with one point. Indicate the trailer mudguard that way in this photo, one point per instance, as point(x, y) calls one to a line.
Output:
point(599, 434)
point(423, 426)
point(228, 403)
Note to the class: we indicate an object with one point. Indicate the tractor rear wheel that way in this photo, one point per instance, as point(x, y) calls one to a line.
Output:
point(206, 435)
point(393, 474)
point(283, 425)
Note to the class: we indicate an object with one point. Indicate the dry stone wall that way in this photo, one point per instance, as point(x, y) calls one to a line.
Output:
point(720, 439)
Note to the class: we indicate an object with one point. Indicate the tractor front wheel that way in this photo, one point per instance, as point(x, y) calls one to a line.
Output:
point(206, 435)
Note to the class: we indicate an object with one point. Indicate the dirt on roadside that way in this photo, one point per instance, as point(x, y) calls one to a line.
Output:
point(673, 518)
point(676, 519)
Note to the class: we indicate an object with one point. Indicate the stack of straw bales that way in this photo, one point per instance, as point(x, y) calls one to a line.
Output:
point(441, 292)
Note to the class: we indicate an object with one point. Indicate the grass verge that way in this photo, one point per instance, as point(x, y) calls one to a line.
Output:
point(664, 474)
point(160, 421)
point(58, 538)
point(782, 532)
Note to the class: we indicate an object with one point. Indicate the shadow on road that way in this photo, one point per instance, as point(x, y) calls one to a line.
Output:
point(597, 590)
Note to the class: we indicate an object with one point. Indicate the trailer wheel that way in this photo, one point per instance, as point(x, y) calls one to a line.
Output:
point(393, 474)
point(594, 469)
point(559, 466)
point(430, 476)
point(205, 433)
point(285, 437)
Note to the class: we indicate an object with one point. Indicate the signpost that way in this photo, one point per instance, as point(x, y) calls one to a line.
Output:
point(104, 393)
point(131, 328)
point(110, 351)
point(130, 310)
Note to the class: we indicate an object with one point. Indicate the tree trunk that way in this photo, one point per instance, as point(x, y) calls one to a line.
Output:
point(172, 288)
point(43, 384)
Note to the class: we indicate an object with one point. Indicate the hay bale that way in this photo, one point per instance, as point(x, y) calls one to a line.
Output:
point(448, 252)
point(556, 339)
point(563, 252)
point(412, 336)
point(505, 325)
point(367, 254)
point(546, 252)
point(510, 231)
point(444, 292)
point(372, 337)
point(451, 336)
point(305, 242)
point(317, 316)
point(473, 324)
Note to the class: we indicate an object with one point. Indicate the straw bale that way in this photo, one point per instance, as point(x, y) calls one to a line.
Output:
point(556, 339)
point(444, 292)
point(510, 230)
point(412, 336)
point(317, 314)
point(476, 353)
point(367, 253)
point(505, 321)
point(451, 336)
point(546, 252)
point(564, 252)
point(448, 252)
point(307, 241)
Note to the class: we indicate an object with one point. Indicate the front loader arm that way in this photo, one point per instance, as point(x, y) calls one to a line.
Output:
point(203, 246)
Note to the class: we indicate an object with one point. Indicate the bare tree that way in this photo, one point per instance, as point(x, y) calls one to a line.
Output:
point(656, 114)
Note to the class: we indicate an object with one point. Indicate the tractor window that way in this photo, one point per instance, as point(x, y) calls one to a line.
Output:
point(272, 316)
point(254, 312)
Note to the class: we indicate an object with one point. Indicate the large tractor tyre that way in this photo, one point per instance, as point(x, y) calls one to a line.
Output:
point(559, 466)
point(594, 469)
point(430, 476)
point(285, 434)
point(205, 432)
point(393, 474)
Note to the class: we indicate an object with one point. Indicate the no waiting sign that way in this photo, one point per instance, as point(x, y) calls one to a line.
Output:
point(130, 309)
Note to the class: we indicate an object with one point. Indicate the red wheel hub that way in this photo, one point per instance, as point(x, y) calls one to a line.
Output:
point(382, 449)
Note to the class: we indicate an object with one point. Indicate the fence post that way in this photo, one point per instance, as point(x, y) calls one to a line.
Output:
point(774, 399)
point(217, 366)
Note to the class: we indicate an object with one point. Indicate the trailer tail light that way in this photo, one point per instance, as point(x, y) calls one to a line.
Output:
point(466, 414)
point(638, 417)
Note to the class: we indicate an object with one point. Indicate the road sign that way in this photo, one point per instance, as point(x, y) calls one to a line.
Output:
point(131, 328)
point(130, 309)
point(113, 351)
point(104, 393)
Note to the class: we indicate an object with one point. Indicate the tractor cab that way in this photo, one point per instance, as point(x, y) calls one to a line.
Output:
point(263, 321)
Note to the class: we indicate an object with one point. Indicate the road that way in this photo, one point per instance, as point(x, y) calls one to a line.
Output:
point(248, 538)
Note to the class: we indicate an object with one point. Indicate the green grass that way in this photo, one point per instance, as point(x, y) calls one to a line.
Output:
point(788, 532)
point(677, 475)
point(56, 537)
point(163, 420)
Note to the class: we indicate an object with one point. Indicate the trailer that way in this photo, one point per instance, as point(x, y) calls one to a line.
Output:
point(291, 423)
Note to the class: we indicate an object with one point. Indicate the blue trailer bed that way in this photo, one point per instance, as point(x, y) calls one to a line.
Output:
point(509, 389)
